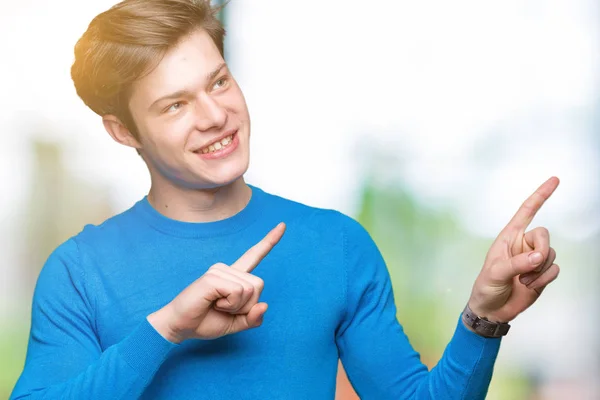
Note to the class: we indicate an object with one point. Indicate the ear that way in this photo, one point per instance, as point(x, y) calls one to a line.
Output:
point(119, 132)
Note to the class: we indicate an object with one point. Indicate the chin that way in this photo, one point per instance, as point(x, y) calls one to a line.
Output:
point(212, 172)
point(225, 176)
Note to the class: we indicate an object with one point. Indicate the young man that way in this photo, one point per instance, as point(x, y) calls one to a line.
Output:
point(163, 300)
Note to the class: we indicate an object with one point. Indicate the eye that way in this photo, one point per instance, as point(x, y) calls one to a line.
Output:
point(220, 83)
point(174, 107)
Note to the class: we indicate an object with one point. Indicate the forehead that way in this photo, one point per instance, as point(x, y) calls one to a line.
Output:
point(184, 66)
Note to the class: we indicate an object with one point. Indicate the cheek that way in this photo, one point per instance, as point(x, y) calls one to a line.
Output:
point(237, 102)
point(162, 139)
point(168, 137)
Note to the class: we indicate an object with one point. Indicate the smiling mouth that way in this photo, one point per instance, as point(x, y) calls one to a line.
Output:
point(219, 145)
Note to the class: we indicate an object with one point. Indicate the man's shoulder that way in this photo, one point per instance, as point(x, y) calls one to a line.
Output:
point(315, 217)
point(109, 230)
point(105, 238)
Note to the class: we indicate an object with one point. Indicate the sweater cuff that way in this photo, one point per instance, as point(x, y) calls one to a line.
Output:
point(145, 350)
point(473, 348)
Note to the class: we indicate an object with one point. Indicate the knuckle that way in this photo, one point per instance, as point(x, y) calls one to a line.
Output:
point(529, 206)
point(217, 266)
point(238, 289)
point(255, 281)
point(223, 303)
point(546, 267)
point(260, 284)
point(209, 276)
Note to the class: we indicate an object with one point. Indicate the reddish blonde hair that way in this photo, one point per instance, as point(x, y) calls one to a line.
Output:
point(127, 41)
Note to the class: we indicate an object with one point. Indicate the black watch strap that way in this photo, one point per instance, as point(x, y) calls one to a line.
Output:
point(484, 327)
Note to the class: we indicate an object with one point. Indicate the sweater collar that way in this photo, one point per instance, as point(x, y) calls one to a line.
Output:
point(226, 226)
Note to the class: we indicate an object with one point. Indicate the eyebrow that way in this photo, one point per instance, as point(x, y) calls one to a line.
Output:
point(185, 92)
point(212, 75)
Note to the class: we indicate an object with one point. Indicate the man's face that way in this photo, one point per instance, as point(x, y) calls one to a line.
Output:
point(192, 118)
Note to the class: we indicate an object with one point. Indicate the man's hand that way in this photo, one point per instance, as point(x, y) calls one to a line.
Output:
point(222, 301)
point(518, 266)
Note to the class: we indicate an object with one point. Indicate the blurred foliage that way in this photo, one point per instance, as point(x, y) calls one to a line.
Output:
point(412, 240)
point(13, 343)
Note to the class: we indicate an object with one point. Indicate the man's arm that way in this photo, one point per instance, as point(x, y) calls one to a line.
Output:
point(381, 362)
point(377, 355)
point(64, 358)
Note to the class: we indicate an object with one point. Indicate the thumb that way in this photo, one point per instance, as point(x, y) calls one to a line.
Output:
point(517, 265)
point(256, 314)
point(253, 319)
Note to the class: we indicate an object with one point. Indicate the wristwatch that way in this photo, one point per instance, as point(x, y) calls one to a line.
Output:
point(482, 326)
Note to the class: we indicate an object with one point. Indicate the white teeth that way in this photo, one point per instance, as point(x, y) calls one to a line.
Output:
point(217, 145)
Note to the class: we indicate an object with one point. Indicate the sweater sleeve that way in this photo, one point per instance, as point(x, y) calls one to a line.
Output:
point(377, 355)
point(64, 357)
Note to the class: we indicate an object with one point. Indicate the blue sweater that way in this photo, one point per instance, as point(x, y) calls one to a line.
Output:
point(329, 297)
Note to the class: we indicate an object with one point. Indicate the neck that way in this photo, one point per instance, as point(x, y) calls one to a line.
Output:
point(200, 205)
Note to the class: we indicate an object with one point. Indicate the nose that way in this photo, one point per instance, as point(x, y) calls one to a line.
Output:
point(210, 114)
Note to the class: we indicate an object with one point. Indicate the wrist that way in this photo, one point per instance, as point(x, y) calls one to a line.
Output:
point(479, 311)
point(161, 321)
point(483, 312)
point(483, 326)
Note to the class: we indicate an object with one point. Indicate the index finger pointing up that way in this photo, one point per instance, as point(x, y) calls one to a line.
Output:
point(531, 206)
point(250, 259)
